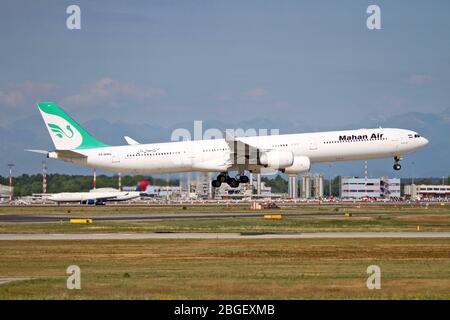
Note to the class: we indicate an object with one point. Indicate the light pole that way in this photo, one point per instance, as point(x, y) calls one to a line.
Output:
point(331, 181)
point(365, 177)
point(10, 165)
point(44, 177)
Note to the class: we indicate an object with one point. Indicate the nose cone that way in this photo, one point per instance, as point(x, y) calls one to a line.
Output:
point(424, 141)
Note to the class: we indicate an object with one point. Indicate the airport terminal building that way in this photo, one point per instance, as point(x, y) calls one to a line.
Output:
point(423, 191)
point(5, 192)
point(380, 188)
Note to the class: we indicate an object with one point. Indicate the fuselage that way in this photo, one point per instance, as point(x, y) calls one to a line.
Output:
point(99, 195)
point(214, 155)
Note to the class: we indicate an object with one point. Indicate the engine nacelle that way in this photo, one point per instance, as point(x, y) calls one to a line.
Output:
point(301, 164)
point(276, 159)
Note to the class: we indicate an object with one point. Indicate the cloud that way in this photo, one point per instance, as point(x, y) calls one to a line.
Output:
point(392, 102)
point(420, 79)
point(110, 92)
point(225, 98)
point(257, 92)
point(25, 93)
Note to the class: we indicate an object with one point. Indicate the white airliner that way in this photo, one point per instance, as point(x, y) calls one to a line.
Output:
point(96, 196)
point(288, 153)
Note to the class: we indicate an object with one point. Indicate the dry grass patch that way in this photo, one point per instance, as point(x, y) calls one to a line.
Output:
point(227, 269)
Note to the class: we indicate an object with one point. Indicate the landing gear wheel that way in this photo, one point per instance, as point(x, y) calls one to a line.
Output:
point(216, 183)
point(233, 183)
point(397, 165)
point(244, 179)
point(222, 178)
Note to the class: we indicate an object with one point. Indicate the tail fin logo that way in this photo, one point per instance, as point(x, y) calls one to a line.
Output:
point(65, 133)
point(60, 132)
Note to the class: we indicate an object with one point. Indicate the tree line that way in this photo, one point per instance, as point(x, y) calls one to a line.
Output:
point(26, 185)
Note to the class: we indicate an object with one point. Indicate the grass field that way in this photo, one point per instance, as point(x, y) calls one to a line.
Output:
point(304, 208)
point(380, 218)
point(353, 224)
point(231, 269)
point(228, 269)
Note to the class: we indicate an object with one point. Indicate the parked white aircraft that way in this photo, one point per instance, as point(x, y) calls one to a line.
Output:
point(96, 196)
point(288, 153)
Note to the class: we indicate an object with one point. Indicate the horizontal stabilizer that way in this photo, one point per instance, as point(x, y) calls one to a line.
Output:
point(69, 154)
point(38, 151)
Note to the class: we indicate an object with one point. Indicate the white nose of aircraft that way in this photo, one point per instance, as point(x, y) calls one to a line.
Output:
point(423, 141)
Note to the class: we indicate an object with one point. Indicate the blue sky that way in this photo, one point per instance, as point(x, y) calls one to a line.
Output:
point(165, 62)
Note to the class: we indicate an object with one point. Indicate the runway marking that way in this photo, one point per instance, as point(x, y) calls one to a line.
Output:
point(8, 280)
point(187, 235)
point(49, 218)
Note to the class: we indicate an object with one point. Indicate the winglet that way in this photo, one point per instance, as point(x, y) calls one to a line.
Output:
point(130, 141)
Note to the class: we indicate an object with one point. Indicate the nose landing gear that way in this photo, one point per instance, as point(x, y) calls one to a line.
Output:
point(397, 165)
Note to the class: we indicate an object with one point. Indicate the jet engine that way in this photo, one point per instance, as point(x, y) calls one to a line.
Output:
point(301, 164)
point(276, 159)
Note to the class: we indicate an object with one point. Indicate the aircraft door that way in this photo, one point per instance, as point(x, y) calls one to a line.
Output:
point(395, 142)
point(312, 144)
point(190, 155)
point(115, 157)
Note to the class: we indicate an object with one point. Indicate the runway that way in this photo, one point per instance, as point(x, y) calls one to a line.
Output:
point(49, 218)
point(154, 236)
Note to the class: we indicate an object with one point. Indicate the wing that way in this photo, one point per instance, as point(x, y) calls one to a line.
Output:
point(241, 153)
point(103, 199)
point(117, 197)
point(244, 156)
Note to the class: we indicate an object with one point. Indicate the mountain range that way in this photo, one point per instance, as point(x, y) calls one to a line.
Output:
point(432, 161)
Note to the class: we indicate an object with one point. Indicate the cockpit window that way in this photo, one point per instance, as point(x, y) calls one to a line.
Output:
point(417, 135)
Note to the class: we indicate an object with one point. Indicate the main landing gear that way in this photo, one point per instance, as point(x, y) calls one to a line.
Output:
point(232, 182)
point(397, 165)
